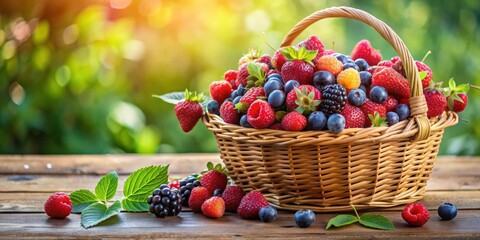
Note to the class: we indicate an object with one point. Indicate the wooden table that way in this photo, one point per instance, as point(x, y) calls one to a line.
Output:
point(27, 181)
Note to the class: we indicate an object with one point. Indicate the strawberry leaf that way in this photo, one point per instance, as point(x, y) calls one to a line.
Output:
point(173, 97)
point(422, 74)
point(376, 221)
point(451, 84)
point(342, 220)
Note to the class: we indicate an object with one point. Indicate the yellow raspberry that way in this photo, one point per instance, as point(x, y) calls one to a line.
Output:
point(329, 63)
point(349, 79)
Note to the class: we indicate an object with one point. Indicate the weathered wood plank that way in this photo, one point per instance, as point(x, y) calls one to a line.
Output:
point(191, 225)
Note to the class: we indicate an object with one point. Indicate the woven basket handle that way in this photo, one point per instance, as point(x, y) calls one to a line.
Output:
point(417, 100)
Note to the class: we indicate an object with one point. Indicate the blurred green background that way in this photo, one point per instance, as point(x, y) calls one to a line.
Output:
point(77, 76)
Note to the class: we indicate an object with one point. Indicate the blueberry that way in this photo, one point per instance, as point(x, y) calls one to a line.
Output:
point(363, 88)
point(362, 64)
point(392, 118)
point(366, 78)
point(234, 94)
point(196, 183)
point(244, 122)
point(290, 84)
point(304, 218)
point(274, 77)
point(403, 111)
point(342, 58)
point(357, 97)
point(447, 211)
point(217, 192)
point(189, 185)
point(236, 100)
point(336, 123)
point(317, 120)
point(276, 98)
point(267, 214)
point(322, 79)
point(271, 86)
point(378, 94)
point(213, 107)
point(240, 90)
point(350, 65)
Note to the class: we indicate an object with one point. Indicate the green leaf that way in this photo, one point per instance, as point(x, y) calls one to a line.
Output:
point(173, 97)
point(376, 221)
point(81, 199)
point(463, 88)
point(422, 74)
point(107, 186)
point(451, 84)
point(342, 220)
point(140, 184)
point(210, 166)
point(98, 212)
point(134, 205)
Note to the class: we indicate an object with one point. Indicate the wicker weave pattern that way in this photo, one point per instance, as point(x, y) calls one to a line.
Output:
point(367, 167)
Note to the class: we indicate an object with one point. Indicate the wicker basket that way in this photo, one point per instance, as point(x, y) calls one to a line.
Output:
point(322, 171)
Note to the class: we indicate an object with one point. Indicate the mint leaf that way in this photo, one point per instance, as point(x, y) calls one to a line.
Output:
point(141, 183)
point(81, 199)
point(342, 220)
point(173, 97)
point(107, 186)
point(376, 221)
point(98, 212)
point(134, 206)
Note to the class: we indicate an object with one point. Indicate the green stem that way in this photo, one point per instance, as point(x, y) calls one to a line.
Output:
point(355, 210)
point(473, 86)
point(426, 55)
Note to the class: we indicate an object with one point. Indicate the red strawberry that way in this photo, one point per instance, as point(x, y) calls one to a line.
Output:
point(278, 59)
point(436, 102)
point(299, 65)
point(249, 97)
point(189, 110)
point(243, 73)
point(385, 63)
point(459, 106)
point(364, 50)
point(325, 53)
point(220, 90)
point(260, 114)
point(369, 107)
point(294, 121)
point(214, 179)
point(390, 104)
point(422, 67)
point(231, 77)
point(392, 81)
point(312, 43)
point(214, 207)
point(229, 113)
point(304, 99)
point(233, 196)
point(197, 197)
point(58, 205)
point(251, 205)
point(354, 117)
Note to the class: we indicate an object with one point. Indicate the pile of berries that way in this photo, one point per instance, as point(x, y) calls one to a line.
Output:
point(165, 201)
point(308, 87)
point(186, 185)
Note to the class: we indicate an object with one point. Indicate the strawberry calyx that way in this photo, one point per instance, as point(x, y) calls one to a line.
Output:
point(305, 100)
point(215, 167)
point(377, 120)
point(193, 96)
point(302, 54)
point(453, 91)
point(256, 77)
point(252, 55)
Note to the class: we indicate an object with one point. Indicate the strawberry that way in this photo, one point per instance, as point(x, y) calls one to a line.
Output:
point(214, 207)
point(249, 97)
point(304, 99)
point(294, 121)
point(229, 113)
point(232, 196)
point(377, 120)
point(260, 114)
point(197, 197)
point(231, 77)
point(220, 90)
point(276, 126)
point(457, 98)
point(265, 58)
point(253, 55)
point(354, 117)
point(364, 50)
point(459, 106)
point(189, 110)
point(392, 81)
point(422, 67)
point(299, 65)
point(244, 73)
point(385, 63)
point(390, 104)
point(214, 179)
point(369, 108)
point(251, 205)
point(312, 43)
point(278, 59)
point(436, 100)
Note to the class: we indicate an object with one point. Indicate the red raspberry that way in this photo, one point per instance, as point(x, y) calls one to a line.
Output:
point(394, 59)
point(276, 126)
point(364, 50)
point(174, 184)
point(294, 121)
point(390, 104)
point(229, 113)
point(220, 90)
point(260, 114)
point(233, 196)
point(312, 43)
point(265, 58)
point(415, 214)
point(58, 205)
point(231, 77)
point(385, 63)
point(249, 97)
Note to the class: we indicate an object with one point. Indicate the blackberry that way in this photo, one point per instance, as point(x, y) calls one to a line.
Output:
point(333, 99)
point(186, 186)
point(165, 202)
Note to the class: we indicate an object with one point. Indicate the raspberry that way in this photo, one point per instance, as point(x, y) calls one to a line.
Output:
point(390, 104)
point(165, 201)
point(249, 97)
point(228, 113)
point(174, 184)
point(385, 63)
point(260, 114)
point(294, 121)
point(58, 205)
point(231, 77)
point(329, 63)
point(364, 50)
point(415, 214)
point(220, 90)
point(349, 79)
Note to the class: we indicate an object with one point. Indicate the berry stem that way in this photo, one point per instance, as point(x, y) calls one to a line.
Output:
point(473, 86)
point(426, 55)
point(355, 210)
point(264, 36)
